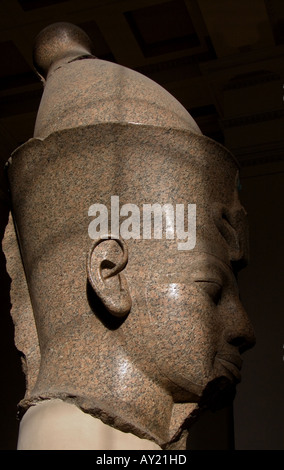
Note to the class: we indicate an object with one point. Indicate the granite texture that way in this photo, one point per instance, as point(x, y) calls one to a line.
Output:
point(135, 332)
point(82, 90)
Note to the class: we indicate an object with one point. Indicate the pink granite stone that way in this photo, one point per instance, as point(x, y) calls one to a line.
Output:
point(139, 333)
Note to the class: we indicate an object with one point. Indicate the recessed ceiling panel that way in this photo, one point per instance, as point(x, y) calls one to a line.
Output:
point(14, 69)
point(275, 12)
point(163, 28)
point(33, 4)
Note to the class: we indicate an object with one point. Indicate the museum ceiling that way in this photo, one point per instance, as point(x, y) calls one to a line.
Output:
point(222, 59)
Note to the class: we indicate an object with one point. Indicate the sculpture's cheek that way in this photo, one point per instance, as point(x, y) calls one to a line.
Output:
point(183, 333)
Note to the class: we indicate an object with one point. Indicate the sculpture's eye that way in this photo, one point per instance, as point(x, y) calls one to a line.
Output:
point(213, 289)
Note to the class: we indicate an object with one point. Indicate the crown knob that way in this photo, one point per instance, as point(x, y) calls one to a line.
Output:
point(59, 41)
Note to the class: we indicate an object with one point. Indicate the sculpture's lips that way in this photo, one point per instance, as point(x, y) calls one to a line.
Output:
point(232, 363)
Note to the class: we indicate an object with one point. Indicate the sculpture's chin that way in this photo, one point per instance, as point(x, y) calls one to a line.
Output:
point(218, 394)
point(181, 395)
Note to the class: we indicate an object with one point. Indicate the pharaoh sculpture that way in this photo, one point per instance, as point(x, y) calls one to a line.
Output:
point(137, 334)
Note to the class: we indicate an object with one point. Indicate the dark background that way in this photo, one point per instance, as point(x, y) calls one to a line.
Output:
point(223, 60)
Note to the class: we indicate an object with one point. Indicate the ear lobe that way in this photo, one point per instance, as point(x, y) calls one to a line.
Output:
point(106, 279)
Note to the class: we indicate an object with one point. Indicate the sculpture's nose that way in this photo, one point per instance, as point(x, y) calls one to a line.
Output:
point(239, 330)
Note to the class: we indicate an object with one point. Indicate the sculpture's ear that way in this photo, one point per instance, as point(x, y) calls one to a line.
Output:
point(231, 222)
point(105, 277)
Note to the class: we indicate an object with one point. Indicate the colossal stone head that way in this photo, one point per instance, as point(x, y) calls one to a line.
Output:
point(131, 234)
